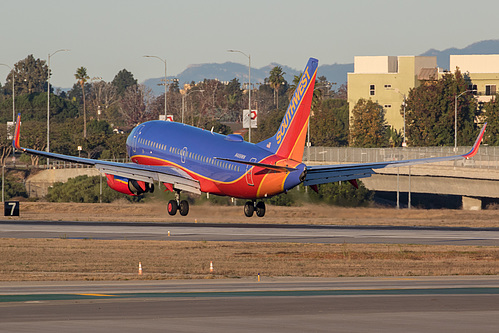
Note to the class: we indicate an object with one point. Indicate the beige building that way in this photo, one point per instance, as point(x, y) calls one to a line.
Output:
point(483, 72)
point(386, 80)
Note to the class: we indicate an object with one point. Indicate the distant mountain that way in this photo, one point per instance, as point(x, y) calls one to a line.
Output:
point(336, 73)
point(229, 70)
point(483, 47)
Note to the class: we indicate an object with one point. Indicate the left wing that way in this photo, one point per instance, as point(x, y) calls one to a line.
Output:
point(322, 174)
point(147, 173)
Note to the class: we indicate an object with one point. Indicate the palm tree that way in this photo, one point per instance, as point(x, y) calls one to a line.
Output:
point(276, 79)
point(82, 77)
point(317, 96)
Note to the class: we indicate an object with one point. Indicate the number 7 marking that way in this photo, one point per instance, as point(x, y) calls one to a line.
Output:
point(13, 204)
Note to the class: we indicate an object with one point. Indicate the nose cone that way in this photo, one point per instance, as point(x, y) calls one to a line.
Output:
point(295, 177)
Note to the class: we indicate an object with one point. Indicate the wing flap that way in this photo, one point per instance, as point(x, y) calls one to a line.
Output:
point(171, 175)
point(316, 176)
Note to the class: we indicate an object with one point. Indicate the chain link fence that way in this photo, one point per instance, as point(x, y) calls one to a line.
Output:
point(486, 158)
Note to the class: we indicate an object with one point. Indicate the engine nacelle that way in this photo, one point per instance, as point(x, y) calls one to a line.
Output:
point(138, 187)
point(128, 186)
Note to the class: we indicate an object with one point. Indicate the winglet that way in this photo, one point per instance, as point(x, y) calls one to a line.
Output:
point(17, 133)
point(474, 150)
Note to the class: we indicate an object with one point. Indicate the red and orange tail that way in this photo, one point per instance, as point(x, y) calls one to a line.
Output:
point(289, 141)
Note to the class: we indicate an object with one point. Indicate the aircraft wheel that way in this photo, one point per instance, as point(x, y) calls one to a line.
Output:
point(172, 207)
point(184, 208)
point(260, 209)
point(249, 208)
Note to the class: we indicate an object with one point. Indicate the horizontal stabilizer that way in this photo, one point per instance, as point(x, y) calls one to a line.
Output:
point(262, 165)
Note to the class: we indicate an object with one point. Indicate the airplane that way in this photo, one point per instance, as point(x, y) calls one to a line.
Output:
point(186, 158)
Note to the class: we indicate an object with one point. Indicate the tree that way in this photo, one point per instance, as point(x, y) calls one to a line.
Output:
point(368, 125)
point(134, 105)
point(82, 77)
point(123, 80)
point(34, 136)
point(492, 117)
point(329, 124)
point(276, 80)
point(234, 94)
point(430, 112)
point(103, 96)
point(5, 144)
point(30, 76)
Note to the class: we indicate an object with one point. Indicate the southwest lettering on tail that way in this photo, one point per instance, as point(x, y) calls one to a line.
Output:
point(186, 158)
point(288, 116)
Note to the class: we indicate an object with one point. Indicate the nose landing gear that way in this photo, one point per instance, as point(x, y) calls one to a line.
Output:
point(251, 206)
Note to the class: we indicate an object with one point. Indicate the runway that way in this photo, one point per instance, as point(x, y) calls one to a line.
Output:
point(251, 232)
point(457, 304)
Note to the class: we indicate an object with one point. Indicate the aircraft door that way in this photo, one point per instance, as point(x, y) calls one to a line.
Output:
point(249, 173)
point(136, 138)
point(183, 154)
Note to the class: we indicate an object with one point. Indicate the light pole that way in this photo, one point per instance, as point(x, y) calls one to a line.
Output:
point(183, 100)
point(455, 117)
point(13, 94)
point(48, 101)
point(249, 87)
point(164, 61)
point(404, 143)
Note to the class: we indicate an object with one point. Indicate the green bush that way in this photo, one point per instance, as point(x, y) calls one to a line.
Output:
point(342, 194)
point(83, 189)
point(13, 188)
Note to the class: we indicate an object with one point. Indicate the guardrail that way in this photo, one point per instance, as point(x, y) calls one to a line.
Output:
point(486, 158)
point(54, 164)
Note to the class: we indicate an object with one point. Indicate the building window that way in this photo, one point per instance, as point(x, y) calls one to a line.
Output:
point(388, 86)
point(372, 89)
point(388, 106)
point(490, 89)
point(473, 88)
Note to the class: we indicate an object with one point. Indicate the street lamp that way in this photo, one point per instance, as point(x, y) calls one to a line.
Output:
point(48, 101)
point(455, 117)
point(249, 87)
point(13, 94)
point(404, 143)
point(183, 100)
point(164, 61)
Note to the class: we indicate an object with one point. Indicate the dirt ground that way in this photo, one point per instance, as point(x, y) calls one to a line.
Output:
point(308, 214)
point(87, 259)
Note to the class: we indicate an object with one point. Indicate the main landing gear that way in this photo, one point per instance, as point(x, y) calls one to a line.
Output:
point(177, 204)
point(251, 206)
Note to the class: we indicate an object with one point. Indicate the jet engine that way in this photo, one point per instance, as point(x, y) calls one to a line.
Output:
point(128, 186)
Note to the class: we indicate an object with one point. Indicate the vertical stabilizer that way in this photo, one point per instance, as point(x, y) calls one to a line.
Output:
point(289, 141)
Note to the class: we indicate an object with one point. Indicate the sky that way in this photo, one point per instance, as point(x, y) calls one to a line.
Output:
point(107, 36)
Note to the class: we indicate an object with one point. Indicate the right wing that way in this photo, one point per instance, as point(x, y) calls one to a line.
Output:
point(322, 174)
point(147, 173)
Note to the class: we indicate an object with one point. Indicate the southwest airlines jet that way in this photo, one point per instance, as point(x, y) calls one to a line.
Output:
point(186, 158)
